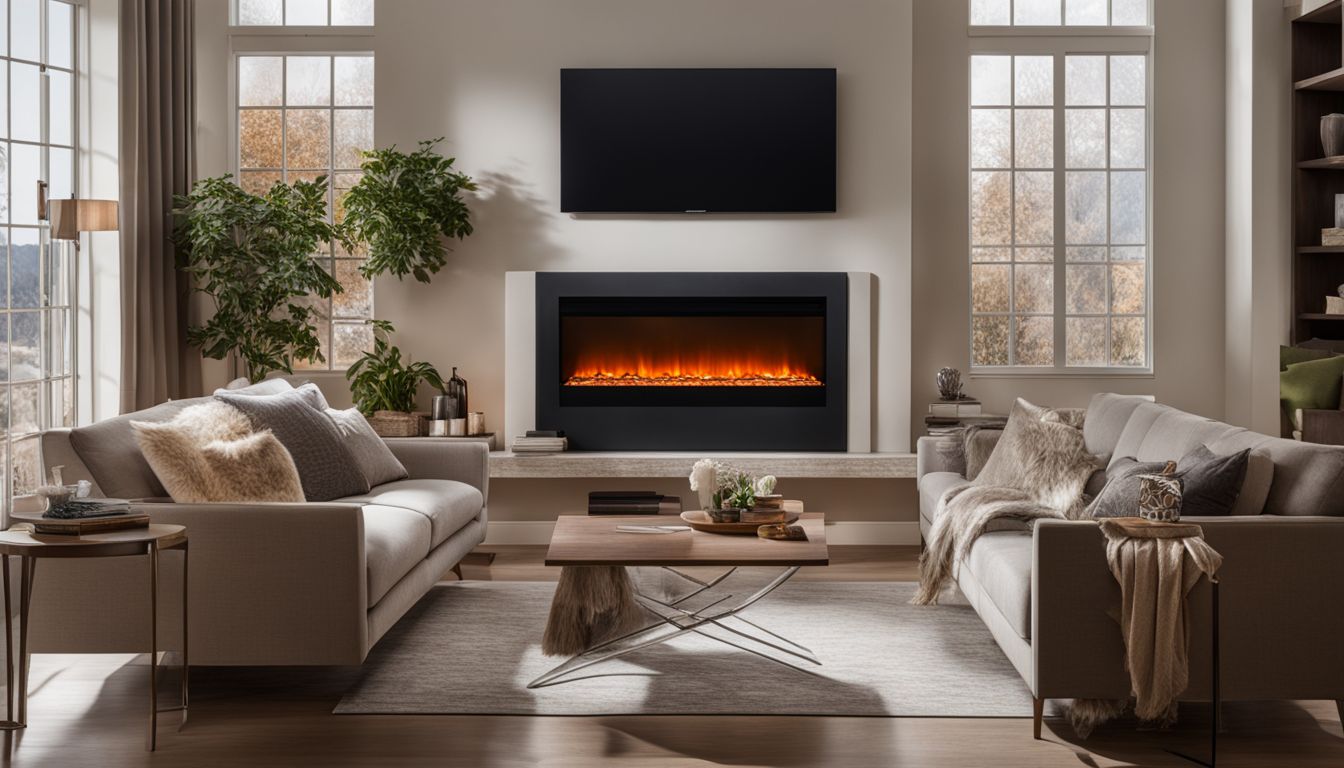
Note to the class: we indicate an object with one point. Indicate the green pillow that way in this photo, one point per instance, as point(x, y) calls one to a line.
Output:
point(1290, 355)
point(1314, 384)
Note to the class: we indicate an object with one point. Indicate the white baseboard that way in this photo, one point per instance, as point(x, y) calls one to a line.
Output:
point(538, 532)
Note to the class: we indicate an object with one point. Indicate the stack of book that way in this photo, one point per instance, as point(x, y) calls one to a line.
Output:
point(632, 503)
point(541, 441)
point(85, 516)
point(948, 416)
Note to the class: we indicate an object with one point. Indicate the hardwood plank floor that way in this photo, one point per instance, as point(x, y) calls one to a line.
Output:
point(91, 711)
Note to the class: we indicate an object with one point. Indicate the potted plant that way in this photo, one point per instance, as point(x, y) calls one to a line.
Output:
point(384, 387)
point(253, 256)
point(404, 206)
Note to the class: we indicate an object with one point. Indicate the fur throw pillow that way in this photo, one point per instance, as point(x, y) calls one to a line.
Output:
point(209, 452)
point(1041, 452)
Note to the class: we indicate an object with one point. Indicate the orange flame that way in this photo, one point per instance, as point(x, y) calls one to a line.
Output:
point(675, 372)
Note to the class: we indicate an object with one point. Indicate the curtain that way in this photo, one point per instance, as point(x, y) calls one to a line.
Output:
point(158, 160)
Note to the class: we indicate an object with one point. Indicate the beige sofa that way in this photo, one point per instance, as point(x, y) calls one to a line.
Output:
point(1045, 593)
point(270, 584)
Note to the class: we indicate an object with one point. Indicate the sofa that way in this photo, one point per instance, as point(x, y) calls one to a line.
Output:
point(270, 583)
point(1045, 592)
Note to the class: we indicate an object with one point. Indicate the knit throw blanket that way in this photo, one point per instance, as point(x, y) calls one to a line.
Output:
point(1038, 469)
point(1156, 565)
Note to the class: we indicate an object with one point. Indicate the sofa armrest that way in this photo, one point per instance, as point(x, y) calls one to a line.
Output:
point(269, 584)
point(931, 455)
point(1280, 588)
point(435, 458)
point(1323, 426)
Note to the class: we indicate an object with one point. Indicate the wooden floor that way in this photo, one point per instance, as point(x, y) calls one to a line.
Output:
point(90, 711)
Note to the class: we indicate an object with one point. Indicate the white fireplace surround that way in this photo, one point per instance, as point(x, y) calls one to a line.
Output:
point(520, 357)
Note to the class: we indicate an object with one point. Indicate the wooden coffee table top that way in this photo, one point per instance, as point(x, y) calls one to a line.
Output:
point(594, 540)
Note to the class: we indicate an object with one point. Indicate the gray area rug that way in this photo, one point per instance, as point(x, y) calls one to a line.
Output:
point(472, 647)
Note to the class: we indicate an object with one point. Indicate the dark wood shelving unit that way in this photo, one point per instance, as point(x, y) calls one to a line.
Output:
point(1318, 90)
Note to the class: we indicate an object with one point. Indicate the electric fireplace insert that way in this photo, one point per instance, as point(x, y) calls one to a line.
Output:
point(693, 361)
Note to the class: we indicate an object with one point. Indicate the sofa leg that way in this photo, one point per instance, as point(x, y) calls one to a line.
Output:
point(1037, 713)
point(457, 569)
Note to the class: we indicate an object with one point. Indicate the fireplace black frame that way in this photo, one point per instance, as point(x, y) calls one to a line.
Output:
point(769, 419)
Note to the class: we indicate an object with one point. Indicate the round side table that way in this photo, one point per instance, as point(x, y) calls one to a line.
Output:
point(31, 547)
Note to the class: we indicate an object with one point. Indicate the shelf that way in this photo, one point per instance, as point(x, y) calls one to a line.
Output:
point(579, 464)
point(1328, 81)
point(1326, 14)
point(1335, 163)
point(1319, 316)
point(1321, 249)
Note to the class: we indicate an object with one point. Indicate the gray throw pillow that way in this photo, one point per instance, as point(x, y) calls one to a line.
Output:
point(1124, 482)
point(327, 468)
point(375, 459)
point(1212, 482)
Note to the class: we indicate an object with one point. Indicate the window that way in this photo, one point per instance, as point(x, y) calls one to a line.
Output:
point(1059, 194)
point(37, 142)
point(300, 117)
point(303, 13)
point(1053, 13)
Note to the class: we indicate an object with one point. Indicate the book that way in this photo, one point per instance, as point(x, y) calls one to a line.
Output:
point(955, 408)
point(632, 503)
point(526, 444)
point(545, 433)
point(121, 519)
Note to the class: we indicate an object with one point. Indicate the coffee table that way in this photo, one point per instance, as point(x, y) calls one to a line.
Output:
point(710, 607)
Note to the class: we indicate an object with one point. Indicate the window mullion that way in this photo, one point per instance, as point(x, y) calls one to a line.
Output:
point(1060, 271)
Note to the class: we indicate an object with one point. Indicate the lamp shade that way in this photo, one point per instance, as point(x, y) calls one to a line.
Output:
point(72, 216)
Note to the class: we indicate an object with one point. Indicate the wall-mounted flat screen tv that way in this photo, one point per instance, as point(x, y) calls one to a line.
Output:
point(697, 140)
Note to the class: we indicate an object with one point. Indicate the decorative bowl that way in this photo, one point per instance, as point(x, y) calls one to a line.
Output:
point(699, 520)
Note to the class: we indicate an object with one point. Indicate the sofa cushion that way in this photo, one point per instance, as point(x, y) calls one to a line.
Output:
point(326, 466)
point(1162, 433)
point(1308, 478)
point(1107, 415)
point(447, 504)
point(109, 451)
point(1001, 563)
point(932, 487)
point(1310, 385)
point(395, 541)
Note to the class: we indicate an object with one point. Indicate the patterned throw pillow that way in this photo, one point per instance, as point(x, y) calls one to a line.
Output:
point(1160, 497)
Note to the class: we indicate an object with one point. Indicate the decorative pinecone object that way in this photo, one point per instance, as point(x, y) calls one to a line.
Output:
point(949, 383)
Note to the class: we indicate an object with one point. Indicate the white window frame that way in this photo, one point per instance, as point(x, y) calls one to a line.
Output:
point(324, 41)
point(1058, 42)
point(285, 29)
point(48, 252)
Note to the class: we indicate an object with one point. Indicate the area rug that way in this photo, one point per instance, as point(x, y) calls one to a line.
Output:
point(472, 647)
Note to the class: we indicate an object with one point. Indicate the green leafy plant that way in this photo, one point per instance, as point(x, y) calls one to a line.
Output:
point(253, 255)
point(737, 490)
point(404, 206)
point(380, 381)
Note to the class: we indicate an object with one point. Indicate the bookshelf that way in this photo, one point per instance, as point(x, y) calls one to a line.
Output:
point(1318, 89)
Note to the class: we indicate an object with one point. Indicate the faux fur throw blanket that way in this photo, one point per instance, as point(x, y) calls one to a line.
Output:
point(591, 604)
point(1038, 469)
point(1156, 564)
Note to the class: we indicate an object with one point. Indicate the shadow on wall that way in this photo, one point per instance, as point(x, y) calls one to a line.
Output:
point(514, 228)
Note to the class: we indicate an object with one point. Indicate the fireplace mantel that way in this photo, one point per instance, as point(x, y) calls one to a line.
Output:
point(648, 464)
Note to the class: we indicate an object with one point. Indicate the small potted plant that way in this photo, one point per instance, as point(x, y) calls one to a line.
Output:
point(384, 387)
point(729, 495)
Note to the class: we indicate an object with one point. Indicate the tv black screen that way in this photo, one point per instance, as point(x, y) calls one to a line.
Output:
point(697, 140)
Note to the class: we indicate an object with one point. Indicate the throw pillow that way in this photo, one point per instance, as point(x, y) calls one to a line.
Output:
point(1293, 355)
point(1120, 496)
point(1041, 454)
point(1314, 384)
point(1212, 482)
point(327, 468)
point(209, 453)
point(372, 455)
point(242, 386)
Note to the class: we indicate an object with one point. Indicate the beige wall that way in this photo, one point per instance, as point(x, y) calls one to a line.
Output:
point(485, 73)
point(1187, 223)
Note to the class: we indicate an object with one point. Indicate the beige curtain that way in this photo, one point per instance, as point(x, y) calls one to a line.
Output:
point(158, 160)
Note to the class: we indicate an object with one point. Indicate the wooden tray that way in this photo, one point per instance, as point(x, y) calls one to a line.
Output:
point(83, 525)
point(699, 520)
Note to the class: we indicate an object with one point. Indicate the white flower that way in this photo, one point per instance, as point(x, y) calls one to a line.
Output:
point(704, 475)
point(765, 485)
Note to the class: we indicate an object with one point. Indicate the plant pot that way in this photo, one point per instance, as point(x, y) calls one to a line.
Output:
point(398, 424)
point(725, 515)
point(1332, 135)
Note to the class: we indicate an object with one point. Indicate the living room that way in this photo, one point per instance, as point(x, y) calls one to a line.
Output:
point(587, 382)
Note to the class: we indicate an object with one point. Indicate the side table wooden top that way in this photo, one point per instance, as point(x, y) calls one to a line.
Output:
point(129, 541)
point(595, 540)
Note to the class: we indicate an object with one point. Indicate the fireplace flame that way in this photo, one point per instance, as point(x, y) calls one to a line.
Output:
point(710, 373)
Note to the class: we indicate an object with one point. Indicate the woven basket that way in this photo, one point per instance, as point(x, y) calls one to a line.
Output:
point(398, 424)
